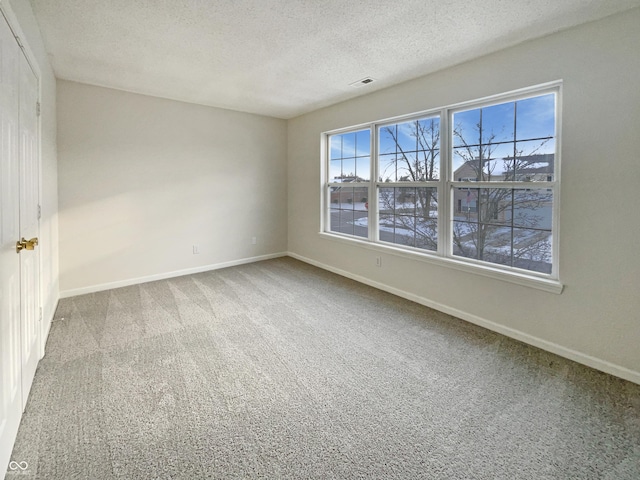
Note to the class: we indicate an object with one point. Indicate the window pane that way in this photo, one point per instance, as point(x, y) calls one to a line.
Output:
point(408, 167)
point(464, 239)
point(475, 129)
point(387, 200)
point(335, 147)
point(335, 220)
point(353, 197)
point(386, 231)
point(498, 122)
point(404, 230)
point(485, 144)
point(498, 164)
point(487, 163)
point(349, 210)
point(430, 163)
point(493, 204)
point(531, 148)
point(348, 169)
point(350, 145)
point(532, 250)
point(362, 169)
point(427, 218)
point(466, 167)
point(414, 148)
point(510, 227)
point(532, 209)
point(387, 168)
point(535, 117)
point(334, 196)
point(346, 222)
point(465, 128)
point(335, 170)
point(409, 216)
point(490, 243)
point(494, 244)
point(534, 162)
point(363, 143)
point(405, 135)
point(405, 201)
point(466, 204)
point(340, 198)
point(360, 199)
point(428, 134)
point(386, 140)
point(360, 224)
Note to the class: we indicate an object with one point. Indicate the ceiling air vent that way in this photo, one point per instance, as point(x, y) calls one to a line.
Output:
point(362, 82)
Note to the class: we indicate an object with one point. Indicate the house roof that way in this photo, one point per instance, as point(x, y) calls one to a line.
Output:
point(530, 164)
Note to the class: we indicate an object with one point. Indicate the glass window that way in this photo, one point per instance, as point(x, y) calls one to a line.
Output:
point(509, 142)
point(498, 193)
point(349, 170)
point(410, 151)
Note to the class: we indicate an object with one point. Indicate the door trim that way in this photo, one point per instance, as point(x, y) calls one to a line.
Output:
point(15, 27)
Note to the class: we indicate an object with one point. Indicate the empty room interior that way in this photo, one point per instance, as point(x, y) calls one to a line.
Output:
point(303, 239)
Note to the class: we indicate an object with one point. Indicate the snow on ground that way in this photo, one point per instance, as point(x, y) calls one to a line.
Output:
point(387, 226)
point(349, 206)
point(499, 241)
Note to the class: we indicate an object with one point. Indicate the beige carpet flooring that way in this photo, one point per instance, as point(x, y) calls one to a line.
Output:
point(281, 370)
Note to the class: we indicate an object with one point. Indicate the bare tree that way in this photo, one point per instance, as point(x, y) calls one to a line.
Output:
point(505, 226)
point(414, 209)
point(481, 234)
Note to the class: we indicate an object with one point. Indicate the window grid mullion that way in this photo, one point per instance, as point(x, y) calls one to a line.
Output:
point(373, 191)
point(444, 196)
point(508, 185)
point(555, 244)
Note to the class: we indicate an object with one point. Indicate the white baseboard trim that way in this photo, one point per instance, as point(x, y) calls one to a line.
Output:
point(579, 357)
point(45, 329)
point(162, 276)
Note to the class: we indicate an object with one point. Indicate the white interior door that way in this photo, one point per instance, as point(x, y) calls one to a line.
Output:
point(19, 262)
point(29, 227)
point(10, 349)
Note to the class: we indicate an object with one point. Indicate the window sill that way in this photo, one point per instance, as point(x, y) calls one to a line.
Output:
point(540, 283)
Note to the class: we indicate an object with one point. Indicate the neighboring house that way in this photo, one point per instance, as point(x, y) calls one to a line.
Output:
point(531, 168)
point(352, 193)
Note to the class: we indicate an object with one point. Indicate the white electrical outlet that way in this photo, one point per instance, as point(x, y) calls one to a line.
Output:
point(254, 240)
point(196, 249)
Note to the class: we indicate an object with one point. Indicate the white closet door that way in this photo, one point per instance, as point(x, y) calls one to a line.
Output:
point(11, 402)
point(29, 226)
point(19, 230)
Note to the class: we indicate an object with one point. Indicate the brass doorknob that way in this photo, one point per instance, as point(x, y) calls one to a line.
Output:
point(24, 244)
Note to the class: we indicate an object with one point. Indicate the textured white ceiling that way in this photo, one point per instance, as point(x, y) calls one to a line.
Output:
point(286, 57)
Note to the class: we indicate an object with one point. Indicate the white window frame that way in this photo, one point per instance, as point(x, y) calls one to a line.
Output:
point(446, 186)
